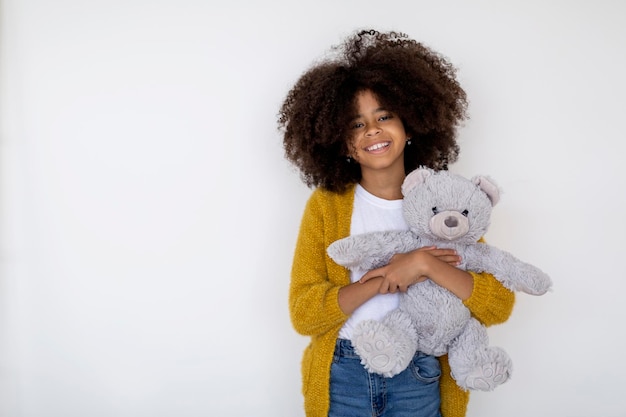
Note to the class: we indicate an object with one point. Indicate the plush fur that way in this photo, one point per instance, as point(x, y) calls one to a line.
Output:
point(448, 211)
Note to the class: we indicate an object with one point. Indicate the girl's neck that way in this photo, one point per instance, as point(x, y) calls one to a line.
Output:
point(385, 187)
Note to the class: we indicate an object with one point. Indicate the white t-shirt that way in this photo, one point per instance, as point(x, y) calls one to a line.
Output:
point(372, 214)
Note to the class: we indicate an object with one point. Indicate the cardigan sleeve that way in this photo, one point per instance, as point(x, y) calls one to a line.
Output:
point(313, 295)
point(491, 303)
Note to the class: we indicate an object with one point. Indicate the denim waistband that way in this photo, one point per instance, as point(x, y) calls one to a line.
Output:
point(344, 349)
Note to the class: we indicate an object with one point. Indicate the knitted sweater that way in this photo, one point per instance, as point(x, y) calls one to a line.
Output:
point(315, 312)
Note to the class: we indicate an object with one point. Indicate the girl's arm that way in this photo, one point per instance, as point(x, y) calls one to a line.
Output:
point(354, 295)
point(488, 300)
point(406, 269)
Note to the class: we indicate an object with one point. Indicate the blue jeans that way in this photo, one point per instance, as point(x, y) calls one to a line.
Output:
point(354, 392)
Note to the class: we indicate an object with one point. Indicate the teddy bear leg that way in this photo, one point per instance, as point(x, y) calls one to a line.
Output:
point(475, 365)
point(386, 347)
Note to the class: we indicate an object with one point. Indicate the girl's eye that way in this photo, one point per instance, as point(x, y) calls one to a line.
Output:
point(357, 125)
point(385, 117)
point(465, 213)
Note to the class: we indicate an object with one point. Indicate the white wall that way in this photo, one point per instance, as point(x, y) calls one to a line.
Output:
point(148, 217)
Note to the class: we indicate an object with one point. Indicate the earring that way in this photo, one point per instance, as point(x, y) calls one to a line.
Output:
point(349, 159)
point(408, 141)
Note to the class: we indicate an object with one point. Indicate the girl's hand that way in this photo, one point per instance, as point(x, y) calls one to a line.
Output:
point(406, 269)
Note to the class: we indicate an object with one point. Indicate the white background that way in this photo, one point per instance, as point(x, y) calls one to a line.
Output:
point(148, 217)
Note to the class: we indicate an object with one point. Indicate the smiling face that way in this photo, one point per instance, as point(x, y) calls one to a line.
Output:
point(378, 137)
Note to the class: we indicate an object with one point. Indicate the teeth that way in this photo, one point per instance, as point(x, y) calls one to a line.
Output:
point(378, 146)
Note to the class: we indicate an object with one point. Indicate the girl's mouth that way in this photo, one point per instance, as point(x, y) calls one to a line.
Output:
point(377, 146)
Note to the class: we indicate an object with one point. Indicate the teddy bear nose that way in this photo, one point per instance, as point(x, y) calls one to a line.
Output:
point(449, 225)
point(451, 221)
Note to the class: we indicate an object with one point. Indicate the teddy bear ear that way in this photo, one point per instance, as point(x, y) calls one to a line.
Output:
point(489, 187)
point(415, 177)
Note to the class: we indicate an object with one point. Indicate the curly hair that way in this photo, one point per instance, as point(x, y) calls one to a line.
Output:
point(407, 78)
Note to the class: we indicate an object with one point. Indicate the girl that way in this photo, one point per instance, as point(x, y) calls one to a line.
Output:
point(354, 125)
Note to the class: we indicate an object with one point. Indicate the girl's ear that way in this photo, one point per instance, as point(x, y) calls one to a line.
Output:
point(416, 177)
point(489, 187)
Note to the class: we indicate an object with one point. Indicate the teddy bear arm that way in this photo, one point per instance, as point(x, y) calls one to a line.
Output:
point(514, 274)
point(371, 250)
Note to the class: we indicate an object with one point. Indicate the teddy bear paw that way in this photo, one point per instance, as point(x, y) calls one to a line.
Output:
point(381, 352)
point(487, 376)
point(377, 355)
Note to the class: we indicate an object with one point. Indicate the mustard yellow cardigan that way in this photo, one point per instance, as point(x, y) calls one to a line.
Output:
point(315, 312)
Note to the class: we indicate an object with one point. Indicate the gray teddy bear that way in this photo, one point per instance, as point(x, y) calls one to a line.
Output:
point(448, 211)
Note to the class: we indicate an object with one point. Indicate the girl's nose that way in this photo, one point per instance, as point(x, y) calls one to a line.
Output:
point(373, 130)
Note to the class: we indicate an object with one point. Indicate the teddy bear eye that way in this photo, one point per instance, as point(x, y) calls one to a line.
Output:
point(465, 213)
point(435, 211)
